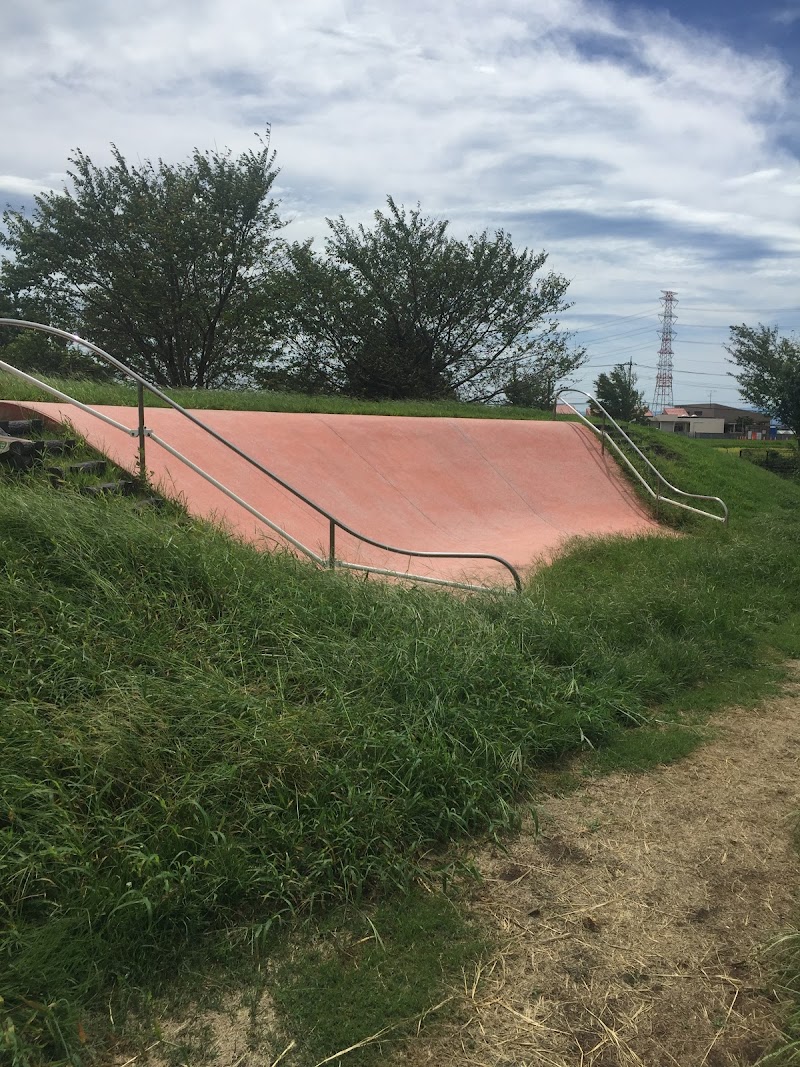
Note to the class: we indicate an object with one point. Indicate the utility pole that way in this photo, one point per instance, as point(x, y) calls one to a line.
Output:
point(662, 398)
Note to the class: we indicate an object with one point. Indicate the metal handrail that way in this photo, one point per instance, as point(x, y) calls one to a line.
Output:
point(142, 432)
point(655, 493)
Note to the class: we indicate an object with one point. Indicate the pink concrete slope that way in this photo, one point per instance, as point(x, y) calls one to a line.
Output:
point(512, 488)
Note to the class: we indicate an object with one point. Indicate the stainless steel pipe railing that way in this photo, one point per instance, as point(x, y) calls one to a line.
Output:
point(143, 433)
point(656, 493)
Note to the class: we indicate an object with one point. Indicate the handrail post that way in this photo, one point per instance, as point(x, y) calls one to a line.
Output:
point(142, 436)
point(657, 493)
point(142, 433)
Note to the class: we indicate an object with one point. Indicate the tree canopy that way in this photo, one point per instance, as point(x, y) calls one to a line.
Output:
point(404, 310)
point(618, 394)
point(179, 270)
point(768, 371)
point(38, 353)
point(536, 384)
point(169, 267)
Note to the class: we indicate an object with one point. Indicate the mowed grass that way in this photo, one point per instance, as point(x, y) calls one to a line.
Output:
point(92, 392)
point(201, 744)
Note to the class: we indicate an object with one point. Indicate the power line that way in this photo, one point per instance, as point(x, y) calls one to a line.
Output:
point(614, 321)
point(682, 340)
point(757, 311)
point(632, 348)
point(704, 326)
point(714, 362)
point(707, 377)
point(619, 336)
point(599, 366)
point(705, 374)
point(715, 344)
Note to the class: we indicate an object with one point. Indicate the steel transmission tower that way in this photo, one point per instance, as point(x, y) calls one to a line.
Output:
point(662, 398)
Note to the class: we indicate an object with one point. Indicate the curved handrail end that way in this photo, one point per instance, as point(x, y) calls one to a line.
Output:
point(601, 433)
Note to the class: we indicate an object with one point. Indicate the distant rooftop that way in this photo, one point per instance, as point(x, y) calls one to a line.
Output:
point(730, 407)
point(568, 409)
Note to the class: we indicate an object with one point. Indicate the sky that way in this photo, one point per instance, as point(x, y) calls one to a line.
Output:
point(645, 147)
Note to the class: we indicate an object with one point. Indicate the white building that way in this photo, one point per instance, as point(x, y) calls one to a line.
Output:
point(678, 420)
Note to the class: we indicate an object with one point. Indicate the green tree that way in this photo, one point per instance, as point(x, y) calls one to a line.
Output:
point(536, 385)
point(403, 310)
point(768, 371)
point(618, 394)
point(39, 354)
point(172, 268)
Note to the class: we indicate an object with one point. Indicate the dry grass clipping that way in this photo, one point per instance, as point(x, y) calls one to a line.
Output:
point(633, 926)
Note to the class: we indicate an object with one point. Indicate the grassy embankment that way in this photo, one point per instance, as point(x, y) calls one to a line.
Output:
point(89, 392)
point(201, 744)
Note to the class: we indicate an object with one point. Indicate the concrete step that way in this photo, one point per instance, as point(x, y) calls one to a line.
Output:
point(17, 427)
point(21, 454)
point(54, 448)
point(16, 446)
point(21, 446)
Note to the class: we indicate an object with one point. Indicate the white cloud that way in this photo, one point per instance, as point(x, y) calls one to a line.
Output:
point(492, 113)
point(786, 16)
point(16, 186)
point(756, 177)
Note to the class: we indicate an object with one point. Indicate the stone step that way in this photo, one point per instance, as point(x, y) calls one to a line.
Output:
point(54, 448)
point(19, 461)
point(16, 446)
point(21, 454)
point(16, 427)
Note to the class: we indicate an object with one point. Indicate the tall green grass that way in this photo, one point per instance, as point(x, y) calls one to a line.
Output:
point(787, 1053)
point(786, 958)
point(200, 742)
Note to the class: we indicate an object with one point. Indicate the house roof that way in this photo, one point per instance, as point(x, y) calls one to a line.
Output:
point(728, 409)
point(678, 413)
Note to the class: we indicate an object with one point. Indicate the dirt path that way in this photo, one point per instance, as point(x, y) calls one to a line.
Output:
point(632, 926)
